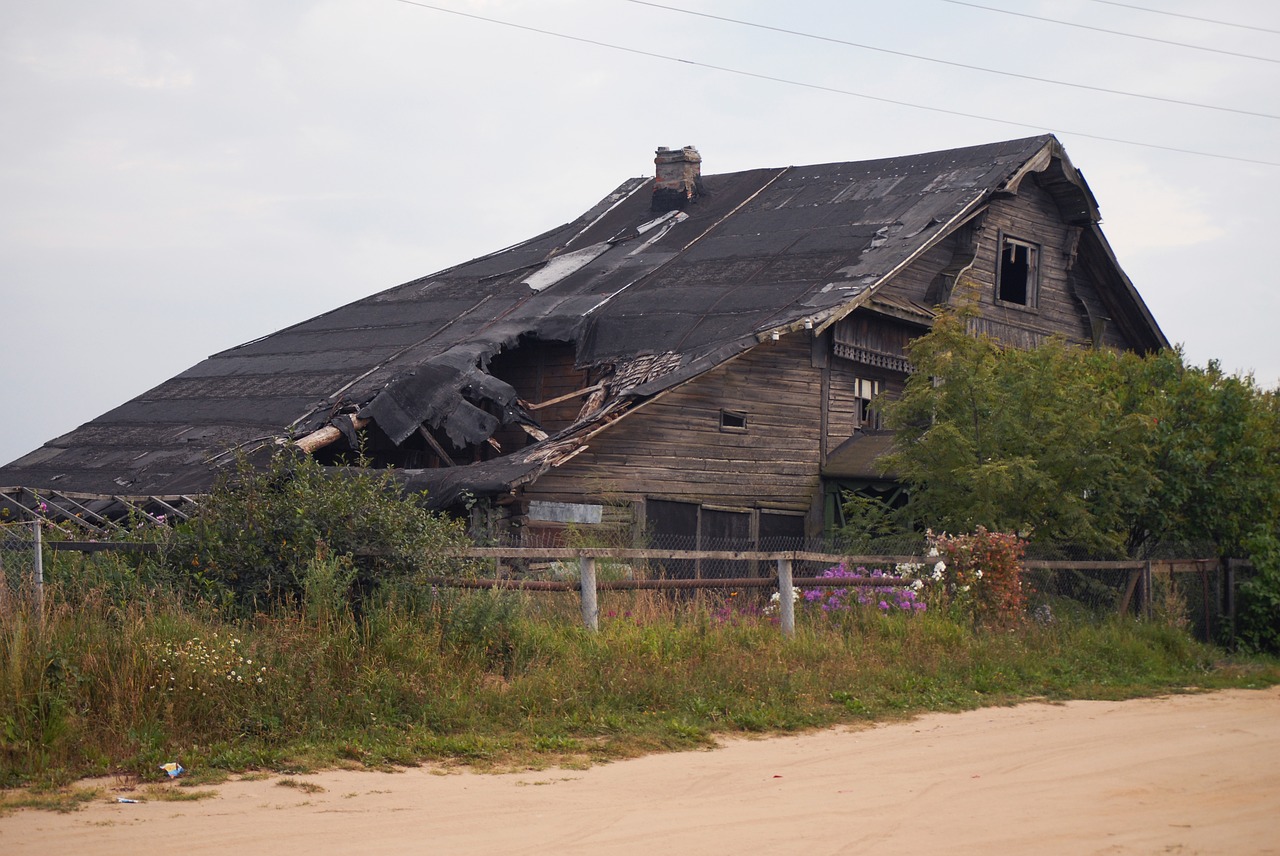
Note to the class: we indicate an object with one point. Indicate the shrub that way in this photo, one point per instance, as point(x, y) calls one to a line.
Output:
point(982, 575)
point(259, 533)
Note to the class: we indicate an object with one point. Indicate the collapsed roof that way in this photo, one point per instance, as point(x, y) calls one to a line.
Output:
point(665, 278)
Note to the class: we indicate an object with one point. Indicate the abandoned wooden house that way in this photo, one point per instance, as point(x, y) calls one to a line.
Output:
point(696, 357)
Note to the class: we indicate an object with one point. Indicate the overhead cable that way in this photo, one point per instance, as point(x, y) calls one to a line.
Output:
point(820, 88)
point(1189, 17)
point(1111, 32)
point(834, 40)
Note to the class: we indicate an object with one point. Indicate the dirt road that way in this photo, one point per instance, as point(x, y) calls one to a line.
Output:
point(1184, 774)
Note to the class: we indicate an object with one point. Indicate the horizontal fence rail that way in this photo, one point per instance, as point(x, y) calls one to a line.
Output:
point(1126, 584)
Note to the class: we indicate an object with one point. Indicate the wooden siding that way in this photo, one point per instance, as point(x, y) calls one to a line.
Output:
point(918, 282)
point(673, 448)
point(842, 417)
point(842, 405)
point(1032, 216)
point(870, 338)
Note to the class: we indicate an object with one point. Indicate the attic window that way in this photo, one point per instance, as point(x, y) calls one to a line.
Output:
point(1016, 277)
point(733, 421)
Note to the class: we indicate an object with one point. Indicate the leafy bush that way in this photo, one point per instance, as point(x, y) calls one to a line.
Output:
point(983, 576)
point(1258, 610)
point(259, 532)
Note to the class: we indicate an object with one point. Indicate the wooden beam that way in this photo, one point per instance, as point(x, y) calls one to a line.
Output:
point(435, 446)
point(327, 435)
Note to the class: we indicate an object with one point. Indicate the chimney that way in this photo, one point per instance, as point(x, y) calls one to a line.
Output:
point(678, 178)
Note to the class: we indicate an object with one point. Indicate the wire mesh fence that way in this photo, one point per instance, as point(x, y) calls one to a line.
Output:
point(1057, 593)
point(1062, 583)
point(21, 565)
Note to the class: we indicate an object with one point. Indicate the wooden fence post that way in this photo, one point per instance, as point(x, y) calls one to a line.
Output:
point(1144, 606)
point(590, 607)
point(1231, 595)
point(786, 598)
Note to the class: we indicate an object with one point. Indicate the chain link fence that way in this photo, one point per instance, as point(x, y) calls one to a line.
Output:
point(1075, 593)
point(1063, 582)
point(21, 566)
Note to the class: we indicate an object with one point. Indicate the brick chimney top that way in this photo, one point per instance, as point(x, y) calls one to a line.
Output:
point(678, 177)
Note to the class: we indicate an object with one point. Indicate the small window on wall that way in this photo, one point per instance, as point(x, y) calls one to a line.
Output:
point(864, 392)
point(1016, 278)
point(733, 421)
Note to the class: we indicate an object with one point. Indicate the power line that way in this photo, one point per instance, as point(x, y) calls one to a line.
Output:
point(1111, 32)
point(1188, 17)
point(831, 89)
point(834, 40)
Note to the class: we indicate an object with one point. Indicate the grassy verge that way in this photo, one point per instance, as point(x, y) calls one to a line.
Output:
point(115, 684)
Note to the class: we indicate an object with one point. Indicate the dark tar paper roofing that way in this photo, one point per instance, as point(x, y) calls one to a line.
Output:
point(763, 250)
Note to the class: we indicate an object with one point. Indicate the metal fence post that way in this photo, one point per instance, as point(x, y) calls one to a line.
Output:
point(786, 598)
point(38, 570)
point(590, 608)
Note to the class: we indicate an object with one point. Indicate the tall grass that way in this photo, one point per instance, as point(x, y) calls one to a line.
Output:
point(122, 673)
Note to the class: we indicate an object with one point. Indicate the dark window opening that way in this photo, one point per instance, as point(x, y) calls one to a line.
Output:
point(673, 525)
point(733, 420)
point(1017, 276)
point(780, 531)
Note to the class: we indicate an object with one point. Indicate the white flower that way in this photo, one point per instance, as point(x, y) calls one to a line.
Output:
point(964, 588)
point(917, 585)
point(978, 574)
point(933, 551)
point(939, 569)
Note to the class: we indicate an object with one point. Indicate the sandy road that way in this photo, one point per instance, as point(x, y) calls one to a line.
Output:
point(1185, 774)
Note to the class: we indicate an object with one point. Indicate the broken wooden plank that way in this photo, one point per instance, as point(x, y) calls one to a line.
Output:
point(578, 393)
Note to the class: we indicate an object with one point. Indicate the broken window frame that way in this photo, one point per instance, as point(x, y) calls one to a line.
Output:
point(733, 421)
point(865, 391)
point(1030, 276)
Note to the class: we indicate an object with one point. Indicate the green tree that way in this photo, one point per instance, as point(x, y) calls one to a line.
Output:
point(1117, 452)
point(1025, 441)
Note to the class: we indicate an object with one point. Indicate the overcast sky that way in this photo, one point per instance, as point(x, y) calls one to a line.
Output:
point(181, 176)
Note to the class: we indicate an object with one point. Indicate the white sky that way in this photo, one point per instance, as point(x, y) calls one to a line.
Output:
point(181, 176)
